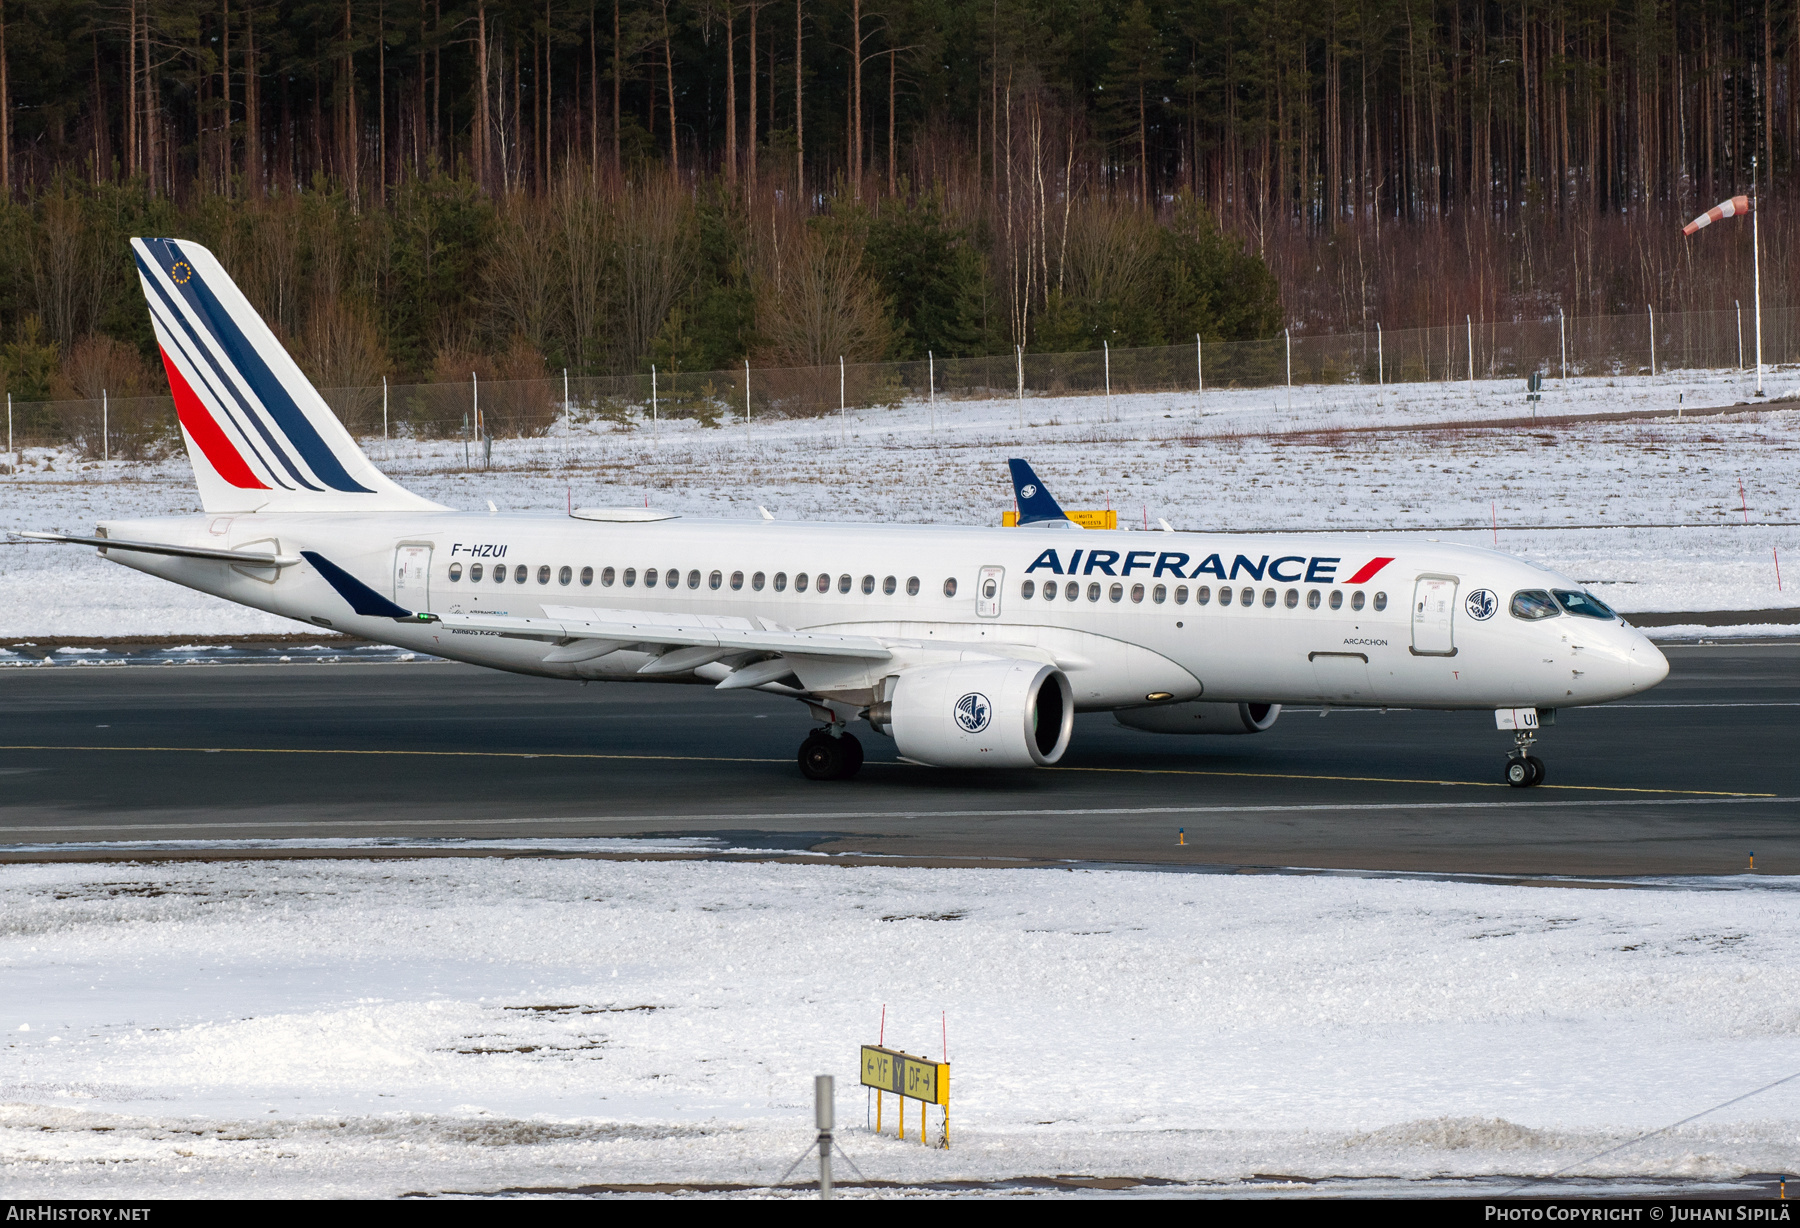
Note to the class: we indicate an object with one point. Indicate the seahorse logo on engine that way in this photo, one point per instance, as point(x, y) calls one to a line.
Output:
point(973, 712)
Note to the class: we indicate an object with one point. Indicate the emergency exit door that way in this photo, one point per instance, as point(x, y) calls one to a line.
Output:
point(987, 592)
point(1434, 608)
point(412, 577)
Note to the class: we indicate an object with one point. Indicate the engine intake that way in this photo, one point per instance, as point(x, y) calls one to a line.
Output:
point(979, 714)
point(1200, 718)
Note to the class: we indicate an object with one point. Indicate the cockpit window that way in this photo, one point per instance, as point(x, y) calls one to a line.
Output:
point(1532, 604)
point(1585, 604)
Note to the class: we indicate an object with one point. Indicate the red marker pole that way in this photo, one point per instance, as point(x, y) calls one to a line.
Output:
point(1777, 550)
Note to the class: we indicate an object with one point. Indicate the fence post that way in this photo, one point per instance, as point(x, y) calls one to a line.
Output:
point(105, 430)
point(746, 398)
point(1469, 321)
point(1288, 334)
point(931, 388)
point(1200, 368)
point(1380, 365)
point(1562, 340)
point(1739, 308)
point(568, 417)
point(9, 446)
point(1106, 358)
point(655, 417)
point(1652, 311)
point(842, 433)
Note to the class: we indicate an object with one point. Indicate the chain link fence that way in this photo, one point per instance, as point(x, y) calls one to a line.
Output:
point(1621, 346)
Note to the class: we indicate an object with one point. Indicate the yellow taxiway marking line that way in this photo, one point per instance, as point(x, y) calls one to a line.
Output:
point(1400, 780)
point(513, 754)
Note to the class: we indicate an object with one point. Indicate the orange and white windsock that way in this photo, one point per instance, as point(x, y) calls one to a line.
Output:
point(1731, 208)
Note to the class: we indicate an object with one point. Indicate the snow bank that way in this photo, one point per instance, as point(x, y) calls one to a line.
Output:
point(370, 1028)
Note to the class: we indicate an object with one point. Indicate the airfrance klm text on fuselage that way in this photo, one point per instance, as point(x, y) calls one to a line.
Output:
point(969, 647)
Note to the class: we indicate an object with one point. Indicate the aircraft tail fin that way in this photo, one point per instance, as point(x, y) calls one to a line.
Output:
point(1035, 504)
point(260, 436)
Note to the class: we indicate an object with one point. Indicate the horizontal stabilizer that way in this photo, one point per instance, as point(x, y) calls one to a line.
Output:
point(243, 558)
point(363, 599)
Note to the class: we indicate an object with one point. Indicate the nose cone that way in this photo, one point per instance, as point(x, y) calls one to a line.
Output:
point(1648, 665)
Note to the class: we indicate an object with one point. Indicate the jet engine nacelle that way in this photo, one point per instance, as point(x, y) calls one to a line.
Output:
point(1201, 718)
point(979, 714)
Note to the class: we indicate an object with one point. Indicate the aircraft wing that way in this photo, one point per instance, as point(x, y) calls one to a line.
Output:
point(673, 633)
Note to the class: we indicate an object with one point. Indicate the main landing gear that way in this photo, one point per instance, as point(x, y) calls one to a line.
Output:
point(1524, 769)
point(830, 754)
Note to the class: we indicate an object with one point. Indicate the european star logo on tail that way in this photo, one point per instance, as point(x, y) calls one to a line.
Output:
point(260, 436)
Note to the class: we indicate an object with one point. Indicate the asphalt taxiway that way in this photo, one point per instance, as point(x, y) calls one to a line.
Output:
point(1690, 778)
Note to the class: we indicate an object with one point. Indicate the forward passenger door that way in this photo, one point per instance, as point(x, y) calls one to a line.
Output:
point(1434, 608)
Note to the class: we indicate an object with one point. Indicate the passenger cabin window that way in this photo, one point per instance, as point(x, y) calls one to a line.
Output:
point(1028, 590)
point(1181, 594)
point(1381, 601)
point(823, 583)
point(717, 579)
point(650, 577)
point(1160, 594)
point(950, 587)
point(844, 583)
point(693, 580)
point(1532, 604)
point(456, 572)
point(474, 572)
point(737, 581)
point(1137, 594)
point(868, 584)
point(1224, 595)
point(802, 581)
point(606, 577)
point(1268, 598)
point(756, 582)
point(564, 575)
point(781, 581)
point(1094, 592)
point(1585, 604)
point(630, 576)
point(889, 585)
point(519, 573)
point(1337, 599)
point(1312, 599)
point(587, 577)
point(912, 586)
point(1292, 599)
point(1203, 594)
point(674, 579)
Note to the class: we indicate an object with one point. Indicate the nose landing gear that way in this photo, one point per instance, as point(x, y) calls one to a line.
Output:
point(1524, 769)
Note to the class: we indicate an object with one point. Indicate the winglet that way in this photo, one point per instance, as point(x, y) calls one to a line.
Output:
point(1035, 503)
point(363, 599)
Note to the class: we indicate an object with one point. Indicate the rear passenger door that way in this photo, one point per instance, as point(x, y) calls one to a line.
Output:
point(412, 576)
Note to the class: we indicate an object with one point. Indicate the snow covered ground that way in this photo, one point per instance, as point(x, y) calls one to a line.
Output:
point(1228, 460)
point(335, 1028)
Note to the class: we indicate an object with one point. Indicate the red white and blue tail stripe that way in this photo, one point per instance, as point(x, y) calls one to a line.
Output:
point(258, 433)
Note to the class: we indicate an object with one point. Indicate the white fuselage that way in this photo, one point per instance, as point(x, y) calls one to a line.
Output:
point(1133, 631)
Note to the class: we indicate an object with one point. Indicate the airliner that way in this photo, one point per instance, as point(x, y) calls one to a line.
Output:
point(969, 647)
